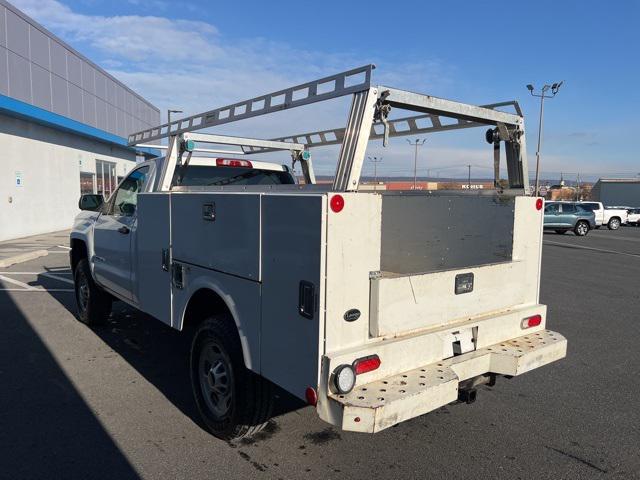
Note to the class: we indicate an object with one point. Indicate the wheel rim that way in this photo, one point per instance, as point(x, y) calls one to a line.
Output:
point(582, 229)
point(83, 291)
point(615, 224)
point(216, 381)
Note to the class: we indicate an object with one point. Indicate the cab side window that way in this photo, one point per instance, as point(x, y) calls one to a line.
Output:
point(126, 197)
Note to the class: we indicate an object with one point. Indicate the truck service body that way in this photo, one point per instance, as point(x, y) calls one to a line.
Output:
point(373, 306)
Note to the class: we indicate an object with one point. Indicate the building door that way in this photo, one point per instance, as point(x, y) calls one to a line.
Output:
point(106, 179)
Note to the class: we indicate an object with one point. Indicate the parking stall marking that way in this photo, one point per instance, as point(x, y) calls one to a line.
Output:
point(29, 288)
point(582, 247)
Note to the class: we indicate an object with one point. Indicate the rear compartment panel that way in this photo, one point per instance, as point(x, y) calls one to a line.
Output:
point(402, 303)
point(410, 302)
point(424, 233)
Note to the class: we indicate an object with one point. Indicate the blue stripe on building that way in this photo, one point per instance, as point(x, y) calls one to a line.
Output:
point(16, 108)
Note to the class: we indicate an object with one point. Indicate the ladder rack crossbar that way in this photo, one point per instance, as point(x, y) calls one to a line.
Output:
point(345, 83)
point(419, 124)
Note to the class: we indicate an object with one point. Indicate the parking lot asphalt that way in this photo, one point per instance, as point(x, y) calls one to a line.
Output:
point(115, 401)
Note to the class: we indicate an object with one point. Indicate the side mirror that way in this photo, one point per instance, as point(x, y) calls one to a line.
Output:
point(91, 202)
point(128, 209)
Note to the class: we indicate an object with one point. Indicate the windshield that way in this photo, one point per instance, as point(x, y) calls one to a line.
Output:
point(204, 175)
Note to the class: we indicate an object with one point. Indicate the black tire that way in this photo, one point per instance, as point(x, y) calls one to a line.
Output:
point(233, 401)
point(94, 304)
point(581, 228)
point(561, 232)
point(614, 223)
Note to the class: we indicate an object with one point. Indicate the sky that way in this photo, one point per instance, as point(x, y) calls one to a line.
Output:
point(198, 55)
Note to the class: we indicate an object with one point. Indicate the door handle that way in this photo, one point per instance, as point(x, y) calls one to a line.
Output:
point(124, 230)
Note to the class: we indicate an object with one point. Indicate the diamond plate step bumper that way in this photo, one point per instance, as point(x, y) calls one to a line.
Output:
point(381, 404)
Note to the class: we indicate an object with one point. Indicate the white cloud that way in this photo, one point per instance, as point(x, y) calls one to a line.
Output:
point(190, 65)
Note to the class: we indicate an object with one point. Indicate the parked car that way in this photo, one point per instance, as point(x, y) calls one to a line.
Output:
point(634, 216)
point(564, 216)
point(612, 217)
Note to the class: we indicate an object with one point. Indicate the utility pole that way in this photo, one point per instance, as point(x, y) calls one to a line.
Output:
point(469, 176)
point(416, 144)
point(542, 95)
point(375, 161)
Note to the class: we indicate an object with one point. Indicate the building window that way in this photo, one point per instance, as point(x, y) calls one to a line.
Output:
point(106, 180)
point(87, 182)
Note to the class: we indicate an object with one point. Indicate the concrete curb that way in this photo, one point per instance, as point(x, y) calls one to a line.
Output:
point(23, 257)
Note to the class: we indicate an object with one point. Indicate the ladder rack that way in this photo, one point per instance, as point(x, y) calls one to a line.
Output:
point(368, 119)
point(414, 125)
point(326, 88)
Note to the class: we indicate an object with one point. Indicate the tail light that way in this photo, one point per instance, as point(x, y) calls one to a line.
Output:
point(233, 162)
point(366, 364)
point(312, 396)
point(344, 377)
point(539, 204)
point(533, 321)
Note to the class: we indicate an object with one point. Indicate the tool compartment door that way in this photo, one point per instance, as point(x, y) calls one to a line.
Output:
point(292, 290)
point(151, 281)
point(220, 231)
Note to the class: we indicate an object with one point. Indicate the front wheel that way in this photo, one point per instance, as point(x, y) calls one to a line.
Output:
point(614, 224)
point(233, 401)
point(94, 304)
point(581, 229)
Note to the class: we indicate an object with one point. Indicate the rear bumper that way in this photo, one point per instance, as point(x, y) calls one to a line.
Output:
point(383, 403)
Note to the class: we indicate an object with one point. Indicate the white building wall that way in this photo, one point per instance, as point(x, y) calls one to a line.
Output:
point(40, 175)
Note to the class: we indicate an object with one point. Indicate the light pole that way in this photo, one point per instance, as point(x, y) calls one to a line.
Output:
point(469, 182)
point(169, 112)
point(416, 144)
point(375, 161)
point(542, 95)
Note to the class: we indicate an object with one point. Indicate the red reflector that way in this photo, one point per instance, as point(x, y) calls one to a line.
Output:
point(531, 321)
point(337, 203)
point(233, 162)
point(539, 203)
point(311, 396)
point(366, 364)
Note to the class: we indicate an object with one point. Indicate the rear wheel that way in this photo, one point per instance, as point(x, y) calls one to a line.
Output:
point(581, 228)
point(614, 223)
point(233, 401)
point(561, 232)
point(94, 304)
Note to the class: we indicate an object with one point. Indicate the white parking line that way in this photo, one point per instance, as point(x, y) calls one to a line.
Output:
point(62, 246)
point(17, 282)
point(31, 290)
point(35, 273)
point(55, 277)
point(582, 247)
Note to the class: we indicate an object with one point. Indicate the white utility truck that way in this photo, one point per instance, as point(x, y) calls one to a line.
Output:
point(373, 306)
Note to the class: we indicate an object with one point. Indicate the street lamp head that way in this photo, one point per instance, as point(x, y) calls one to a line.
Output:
point(556, 86)
point(545, 88)
point(530, 88)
